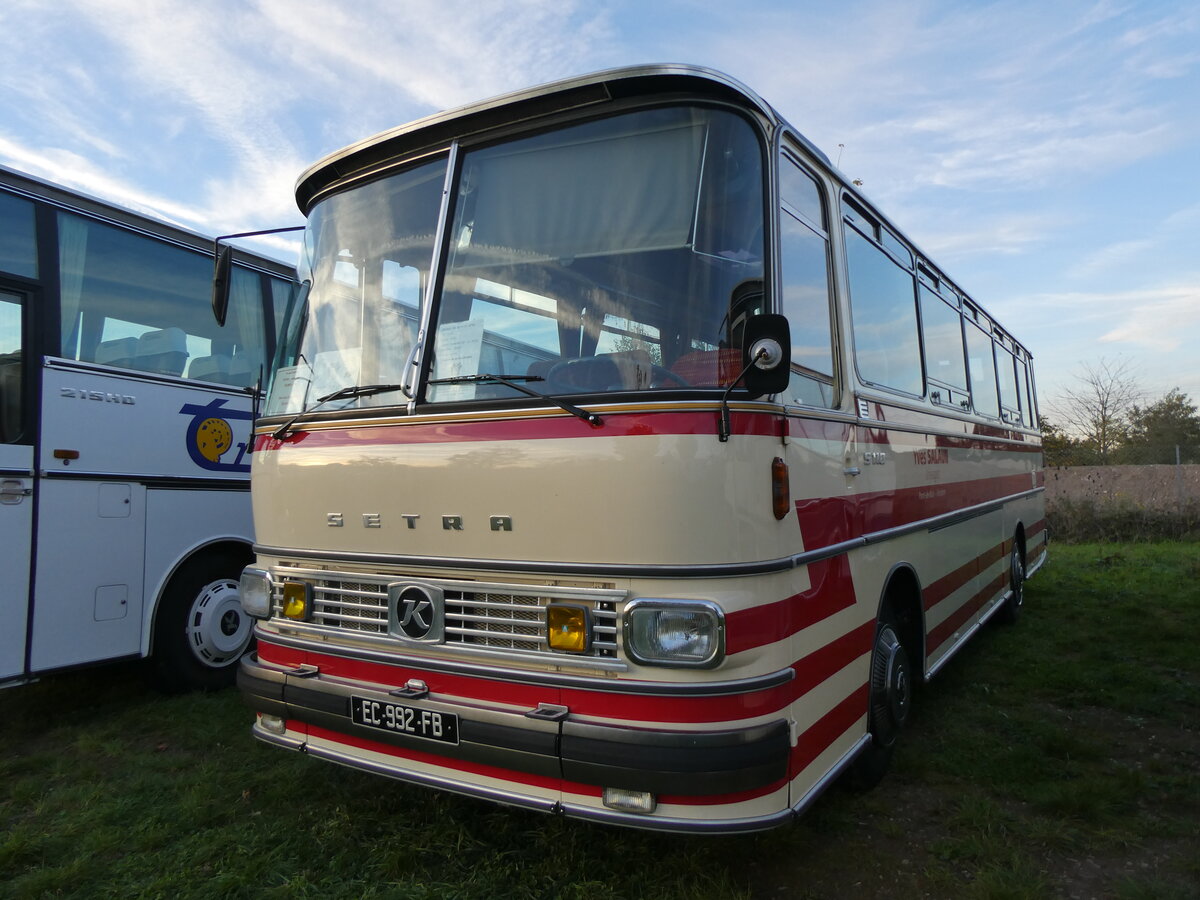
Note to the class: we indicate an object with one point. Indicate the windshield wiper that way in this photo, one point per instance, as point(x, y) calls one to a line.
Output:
point(514, 382)
point(352, 390)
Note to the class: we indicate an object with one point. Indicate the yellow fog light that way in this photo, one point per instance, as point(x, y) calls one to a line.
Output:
point(567, 628)
point(297, 600)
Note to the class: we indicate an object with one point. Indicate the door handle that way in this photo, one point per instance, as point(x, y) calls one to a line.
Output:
point(13, 492)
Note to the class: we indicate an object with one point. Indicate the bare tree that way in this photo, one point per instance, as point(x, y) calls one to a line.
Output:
point(1097, 410)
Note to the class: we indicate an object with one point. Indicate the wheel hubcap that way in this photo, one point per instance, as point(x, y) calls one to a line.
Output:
point(218, 632)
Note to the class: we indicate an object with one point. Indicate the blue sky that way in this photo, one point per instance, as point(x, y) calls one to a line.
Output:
point(1046, 155)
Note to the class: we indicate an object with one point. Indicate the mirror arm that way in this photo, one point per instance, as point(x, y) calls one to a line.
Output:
point(222, 266)
point(723, 427)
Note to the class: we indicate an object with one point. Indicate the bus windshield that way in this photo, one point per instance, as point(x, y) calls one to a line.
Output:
point(621, 254)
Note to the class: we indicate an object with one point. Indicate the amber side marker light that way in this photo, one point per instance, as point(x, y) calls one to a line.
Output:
point(567, 628)
point(297, 600)
point(781, 490)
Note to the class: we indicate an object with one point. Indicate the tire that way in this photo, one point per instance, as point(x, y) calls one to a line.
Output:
point(1011, 611)
point(200, 630)
point(889, 703)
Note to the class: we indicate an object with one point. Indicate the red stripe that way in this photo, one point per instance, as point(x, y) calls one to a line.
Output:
point(832, 591)
point(770, 424)
point(527, 429)
point(827, 729)
point(947, 585)
point(829, 520)
point(960, 616)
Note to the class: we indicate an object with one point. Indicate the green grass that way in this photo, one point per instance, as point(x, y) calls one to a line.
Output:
point(1057, 757)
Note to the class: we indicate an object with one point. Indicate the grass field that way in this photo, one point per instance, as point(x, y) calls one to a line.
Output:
point(1056, 758)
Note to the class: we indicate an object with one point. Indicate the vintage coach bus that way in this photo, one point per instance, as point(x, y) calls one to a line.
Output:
point(623, 461)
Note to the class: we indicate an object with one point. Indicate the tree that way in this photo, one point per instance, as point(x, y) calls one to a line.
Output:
point(1156, 430)
point(1058, 447)
point(1097, 411)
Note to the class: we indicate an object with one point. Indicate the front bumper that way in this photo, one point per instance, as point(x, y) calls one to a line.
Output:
point(664, 762)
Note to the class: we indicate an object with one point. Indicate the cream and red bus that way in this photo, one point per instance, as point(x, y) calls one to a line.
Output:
point(622, 460)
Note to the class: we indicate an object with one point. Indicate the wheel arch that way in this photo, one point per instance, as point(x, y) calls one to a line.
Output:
point(213, 548)
point(902, 593)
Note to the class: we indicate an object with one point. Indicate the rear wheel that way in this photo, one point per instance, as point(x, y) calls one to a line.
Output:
point(1011, 611)
point(891, 693)
point(200, 631)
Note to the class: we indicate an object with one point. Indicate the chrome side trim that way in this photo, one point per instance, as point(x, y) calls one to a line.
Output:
point(648, 570)
point(996, 606)
point(1037, 565)
point(675, 824)
point(556, 679)
point(823, 783)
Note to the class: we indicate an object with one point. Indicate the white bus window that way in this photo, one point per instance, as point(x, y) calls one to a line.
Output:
point(884, 316)
point(804, 262)
point(10, 367)
point(129, 301)
point(982, 366)
point(18, 247)
point(945, 361)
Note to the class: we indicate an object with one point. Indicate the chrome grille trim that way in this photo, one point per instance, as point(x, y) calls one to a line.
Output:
point(479, 616)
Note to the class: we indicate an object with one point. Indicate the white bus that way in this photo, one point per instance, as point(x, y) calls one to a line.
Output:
point(124, 421)
point(625, 462)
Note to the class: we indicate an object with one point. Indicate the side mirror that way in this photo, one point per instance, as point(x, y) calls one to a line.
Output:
point(766, 354)
point(222, 269)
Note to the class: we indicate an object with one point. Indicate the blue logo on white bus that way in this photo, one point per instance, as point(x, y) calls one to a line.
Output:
point(210, 437)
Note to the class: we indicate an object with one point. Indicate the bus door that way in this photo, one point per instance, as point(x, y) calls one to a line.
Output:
point(16, 487)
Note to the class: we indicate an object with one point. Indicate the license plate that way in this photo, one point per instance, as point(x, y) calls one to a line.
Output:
point(400, 719)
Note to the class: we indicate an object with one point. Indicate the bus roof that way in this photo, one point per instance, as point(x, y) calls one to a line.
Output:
point(374, 153)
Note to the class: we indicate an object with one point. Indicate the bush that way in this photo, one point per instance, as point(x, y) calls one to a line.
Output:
point(1087, 521)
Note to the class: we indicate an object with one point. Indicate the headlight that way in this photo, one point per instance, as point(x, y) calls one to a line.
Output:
point(255, 590)
point(675, 633)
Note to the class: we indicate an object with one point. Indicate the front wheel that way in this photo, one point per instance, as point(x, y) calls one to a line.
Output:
point(200, 631)
point(889, 704)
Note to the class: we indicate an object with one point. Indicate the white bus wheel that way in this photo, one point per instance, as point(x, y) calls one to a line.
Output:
point(200, 630)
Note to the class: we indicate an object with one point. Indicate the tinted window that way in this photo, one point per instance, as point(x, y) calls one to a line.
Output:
point(10, 367)
point(18, 249)
point(130, 301)
point(884, 314)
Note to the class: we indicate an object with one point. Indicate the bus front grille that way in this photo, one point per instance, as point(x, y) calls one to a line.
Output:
point(510, 617)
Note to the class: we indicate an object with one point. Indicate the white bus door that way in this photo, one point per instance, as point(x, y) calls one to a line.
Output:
point(16, 492)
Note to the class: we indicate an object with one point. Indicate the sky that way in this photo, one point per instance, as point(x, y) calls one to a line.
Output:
point(1045, 155)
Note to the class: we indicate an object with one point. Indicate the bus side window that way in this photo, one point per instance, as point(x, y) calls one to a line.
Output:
point(129, 301)
point(10, 367)
point(883, 307)
point(982, 366)
point(804, 263)
point(18, 249)
point(945, 361)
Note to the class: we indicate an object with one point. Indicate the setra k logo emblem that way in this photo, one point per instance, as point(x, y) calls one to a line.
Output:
point(416, 612)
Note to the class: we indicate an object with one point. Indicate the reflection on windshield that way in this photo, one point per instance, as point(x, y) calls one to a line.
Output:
point(603, 257)
point(622, 254)
point(366, 253)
